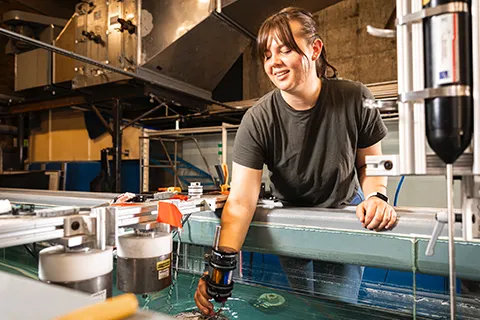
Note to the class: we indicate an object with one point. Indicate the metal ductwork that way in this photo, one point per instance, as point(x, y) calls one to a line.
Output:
point(189, 43)
point(185, 44)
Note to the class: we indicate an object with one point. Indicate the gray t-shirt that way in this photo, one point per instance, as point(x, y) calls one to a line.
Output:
point(310, 154)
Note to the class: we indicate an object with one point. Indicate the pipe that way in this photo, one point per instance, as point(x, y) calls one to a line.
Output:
point(224, 144)
point(451, 243)
point(21, 137)
point(144, 115)
point(420, 157)
point(117, 144)
point(102, 120)
point(405, 109)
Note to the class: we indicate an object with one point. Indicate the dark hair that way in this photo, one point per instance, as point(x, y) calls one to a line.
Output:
point(279, 25)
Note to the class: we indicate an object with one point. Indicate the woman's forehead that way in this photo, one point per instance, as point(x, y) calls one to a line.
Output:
point(274, 37)
point(281, 39)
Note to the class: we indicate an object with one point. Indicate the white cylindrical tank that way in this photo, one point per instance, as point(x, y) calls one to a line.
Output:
point(144, 262)
point(87, 270)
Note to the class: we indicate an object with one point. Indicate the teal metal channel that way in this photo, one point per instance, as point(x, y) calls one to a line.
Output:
point(367, 248)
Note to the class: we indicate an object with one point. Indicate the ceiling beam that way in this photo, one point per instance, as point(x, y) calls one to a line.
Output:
point(48, 104)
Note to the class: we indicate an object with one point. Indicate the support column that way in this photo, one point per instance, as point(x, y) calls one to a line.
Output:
point(117, 144)
point(21, 137)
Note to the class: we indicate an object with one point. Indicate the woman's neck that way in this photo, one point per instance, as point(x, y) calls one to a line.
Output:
point(306, 98)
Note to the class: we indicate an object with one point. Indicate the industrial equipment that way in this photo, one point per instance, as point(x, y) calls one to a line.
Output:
point(172, 44)
point(144, 261)
point(85, 234)
point(275, 229)
point(220, 274)
point(32, 65)
point(82, 268)
point(439, 86)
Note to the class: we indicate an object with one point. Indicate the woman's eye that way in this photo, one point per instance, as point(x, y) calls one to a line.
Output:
point(286, 51)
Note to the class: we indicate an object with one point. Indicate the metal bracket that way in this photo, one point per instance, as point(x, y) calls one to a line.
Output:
point(381, 33)
point(384, 105)
point(471, 207)
point(384, 165)
point(74, 241)
point(78, 230)
point(430, 93)
point(441, 220)
point(73, 226)
point(418, 16)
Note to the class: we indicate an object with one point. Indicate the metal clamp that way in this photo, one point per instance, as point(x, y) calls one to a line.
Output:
point(441, 220)
point(384, 165)
point(381, 33)
point(418, 16)
point(384, 105)
point(430, 93)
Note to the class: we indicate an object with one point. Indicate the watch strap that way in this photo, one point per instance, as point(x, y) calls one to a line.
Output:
point(378, 195)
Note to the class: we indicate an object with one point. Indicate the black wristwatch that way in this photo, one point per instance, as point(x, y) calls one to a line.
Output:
point(378, 195)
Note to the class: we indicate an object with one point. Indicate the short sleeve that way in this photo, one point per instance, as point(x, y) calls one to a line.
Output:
point(249, 147)
point(371, 128)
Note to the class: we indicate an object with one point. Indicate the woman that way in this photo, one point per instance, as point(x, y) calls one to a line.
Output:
point(313, 133)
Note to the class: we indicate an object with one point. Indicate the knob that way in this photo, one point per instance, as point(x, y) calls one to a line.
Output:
point(126, 25)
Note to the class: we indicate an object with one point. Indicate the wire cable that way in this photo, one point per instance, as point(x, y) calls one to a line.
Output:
point(397, 191)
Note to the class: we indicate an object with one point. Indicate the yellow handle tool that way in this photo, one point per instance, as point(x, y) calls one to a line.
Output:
point(225, 172)
point(170, 189)
point(115, 308)
point(225, 187)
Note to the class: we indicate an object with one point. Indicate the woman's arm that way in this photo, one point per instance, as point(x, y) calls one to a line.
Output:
point(240, 206)
point(373, 213)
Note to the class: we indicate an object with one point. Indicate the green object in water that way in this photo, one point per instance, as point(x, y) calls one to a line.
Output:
point(269, 300)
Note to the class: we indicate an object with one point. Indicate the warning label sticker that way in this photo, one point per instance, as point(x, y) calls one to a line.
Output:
point(162, 265)
point(162, 274)
point(163, 268)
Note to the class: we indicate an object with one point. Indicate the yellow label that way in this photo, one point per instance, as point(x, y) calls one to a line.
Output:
point(425, 2)
point(162, 265)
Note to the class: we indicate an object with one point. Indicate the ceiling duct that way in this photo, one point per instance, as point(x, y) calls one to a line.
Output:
point(196, 42)
point(188, 45)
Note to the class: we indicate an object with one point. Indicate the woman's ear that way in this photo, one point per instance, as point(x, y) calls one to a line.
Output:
point(317, 49)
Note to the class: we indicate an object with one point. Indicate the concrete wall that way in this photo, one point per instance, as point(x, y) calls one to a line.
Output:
point(356, 54)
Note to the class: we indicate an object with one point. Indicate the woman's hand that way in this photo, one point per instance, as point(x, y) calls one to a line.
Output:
point(201, 298)
point(376, 214)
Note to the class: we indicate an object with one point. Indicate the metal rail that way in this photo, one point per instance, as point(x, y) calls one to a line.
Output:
point(336, 235)
point(313, 233)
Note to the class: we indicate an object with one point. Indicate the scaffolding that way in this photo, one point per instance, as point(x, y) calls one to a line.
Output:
point(177, 136)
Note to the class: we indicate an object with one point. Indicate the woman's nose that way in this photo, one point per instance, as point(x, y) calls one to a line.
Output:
point(276, 59)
